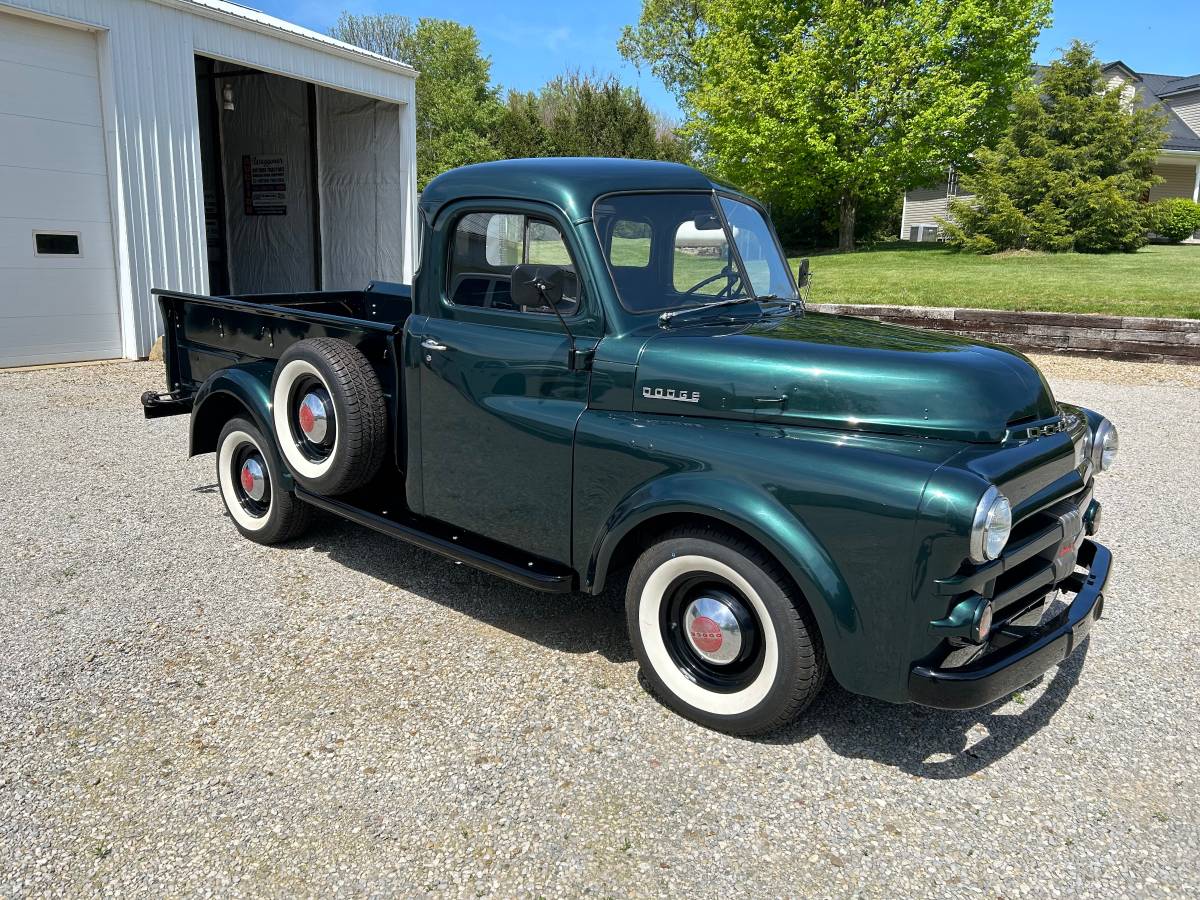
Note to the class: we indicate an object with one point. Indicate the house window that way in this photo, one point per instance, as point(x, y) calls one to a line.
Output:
point(952, 182)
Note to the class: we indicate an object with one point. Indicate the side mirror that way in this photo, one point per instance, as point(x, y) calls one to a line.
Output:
point(802, 276)
point(537, 287)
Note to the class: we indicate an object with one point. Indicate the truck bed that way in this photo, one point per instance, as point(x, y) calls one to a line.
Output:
point(380, 301)
point(205, 334)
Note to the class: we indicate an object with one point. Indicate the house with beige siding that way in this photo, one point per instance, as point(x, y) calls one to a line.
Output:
point(1178, 163)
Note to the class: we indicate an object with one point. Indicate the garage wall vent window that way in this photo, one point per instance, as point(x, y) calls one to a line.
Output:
point(227, 97)
point(56, 243)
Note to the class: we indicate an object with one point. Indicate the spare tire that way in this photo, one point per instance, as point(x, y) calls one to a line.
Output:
point(329, 414)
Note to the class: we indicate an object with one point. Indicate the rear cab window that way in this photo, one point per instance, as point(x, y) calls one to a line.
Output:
point(630, 244)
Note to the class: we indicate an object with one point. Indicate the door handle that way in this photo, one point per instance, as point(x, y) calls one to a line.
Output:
point(431, 344)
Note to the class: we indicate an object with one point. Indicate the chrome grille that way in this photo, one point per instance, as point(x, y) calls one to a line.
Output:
point(1040, 552)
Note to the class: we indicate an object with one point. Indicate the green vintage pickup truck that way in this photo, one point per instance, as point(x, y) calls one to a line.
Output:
point(604, 370)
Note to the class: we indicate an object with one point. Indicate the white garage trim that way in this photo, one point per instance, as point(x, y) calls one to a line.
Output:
point(244, 17)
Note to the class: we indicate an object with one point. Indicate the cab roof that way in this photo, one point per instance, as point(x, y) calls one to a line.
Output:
point(570, 183)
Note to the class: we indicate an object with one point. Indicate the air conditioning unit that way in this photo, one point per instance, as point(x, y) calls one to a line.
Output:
point(923, 233)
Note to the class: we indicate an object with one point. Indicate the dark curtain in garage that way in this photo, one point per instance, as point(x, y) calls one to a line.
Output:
point(270, 243)
point(361, 182)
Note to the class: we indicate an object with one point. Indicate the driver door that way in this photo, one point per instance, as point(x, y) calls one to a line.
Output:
point(498, 404)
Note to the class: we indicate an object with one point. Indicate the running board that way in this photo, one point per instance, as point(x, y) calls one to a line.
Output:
point(478, 552)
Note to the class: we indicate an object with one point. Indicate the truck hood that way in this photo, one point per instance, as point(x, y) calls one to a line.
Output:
point(841, 372)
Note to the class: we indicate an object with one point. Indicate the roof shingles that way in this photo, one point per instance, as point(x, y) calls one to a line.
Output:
point(1155, 89)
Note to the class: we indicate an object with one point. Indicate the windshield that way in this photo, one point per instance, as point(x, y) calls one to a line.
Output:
point(673, 251)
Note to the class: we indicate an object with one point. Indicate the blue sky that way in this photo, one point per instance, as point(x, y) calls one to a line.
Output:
point(531, 42)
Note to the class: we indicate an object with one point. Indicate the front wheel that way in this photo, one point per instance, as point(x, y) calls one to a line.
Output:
point(251, 481)
point(720, 633)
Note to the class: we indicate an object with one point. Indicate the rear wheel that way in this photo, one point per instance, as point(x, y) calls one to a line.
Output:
point(251, 482)
point(720, 634)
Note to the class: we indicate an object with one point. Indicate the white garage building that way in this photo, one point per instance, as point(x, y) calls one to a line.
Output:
point(194, 145)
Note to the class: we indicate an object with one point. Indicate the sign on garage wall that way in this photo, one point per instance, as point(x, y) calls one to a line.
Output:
point(264, 181)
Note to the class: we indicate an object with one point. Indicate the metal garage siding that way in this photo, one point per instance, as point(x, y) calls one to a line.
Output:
point(236, 43)
point(154, 156)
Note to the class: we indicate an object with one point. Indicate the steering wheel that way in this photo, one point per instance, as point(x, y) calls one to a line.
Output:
point(731, 278)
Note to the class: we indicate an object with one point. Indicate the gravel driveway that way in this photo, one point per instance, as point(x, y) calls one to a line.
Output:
point(183, 711)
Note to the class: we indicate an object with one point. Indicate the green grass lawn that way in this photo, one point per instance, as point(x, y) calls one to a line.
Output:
point(1156, 281)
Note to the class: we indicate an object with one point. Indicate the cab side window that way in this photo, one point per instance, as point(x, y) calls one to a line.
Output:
point(487, 245)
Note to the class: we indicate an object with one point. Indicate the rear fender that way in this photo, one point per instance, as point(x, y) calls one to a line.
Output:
point(238, 390)
point(753, 513)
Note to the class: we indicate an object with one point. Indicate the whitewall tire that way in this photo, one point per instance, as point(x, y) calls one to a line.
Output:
point(288, 426)
point(329, 416)
point(251, 483)
point(720, 633)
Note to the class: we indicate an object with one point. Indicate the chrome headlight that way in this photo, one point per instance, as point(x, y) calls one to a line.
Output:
point(992, 525)
point(1104, 446)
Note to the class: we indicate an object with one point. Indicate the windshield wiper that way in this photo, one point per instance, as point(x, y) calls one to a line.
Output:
point(665, 318)
point(794, 304)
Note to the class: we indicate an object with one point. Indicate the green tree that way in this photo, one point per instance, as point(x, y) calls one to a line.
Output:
point(663, 40)
point(457, 106)
point(850, 100)
point(584, 115)
point(521, 129)
point(1070, 173)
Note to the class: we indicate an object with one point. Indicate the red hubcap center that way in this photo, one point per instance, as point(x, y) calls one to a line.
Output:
point(306, 419)
point(706, 634)
point(247, 479)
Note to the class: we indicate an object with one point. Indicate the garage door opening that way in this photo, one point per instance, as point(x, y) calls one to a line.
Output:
point(303, 184)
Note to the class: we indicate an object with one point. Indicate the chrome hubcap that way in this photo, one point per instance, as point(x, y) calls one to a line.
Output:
point(712, 630)
point(254, 479)
point(314, 418)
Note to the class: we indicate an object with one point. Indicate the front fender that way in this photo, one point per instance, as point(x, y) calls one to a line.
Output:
point(238, 390)
point(755, 513)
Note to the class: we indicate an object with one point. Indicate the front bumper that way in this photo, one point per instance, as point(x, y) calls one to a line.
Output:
point(1036, 649)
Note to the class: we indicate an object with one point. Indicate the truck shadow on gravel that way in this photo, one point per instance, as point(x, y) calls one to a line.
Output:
point(571, 623)
point(927, 743)
point(935, 743)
